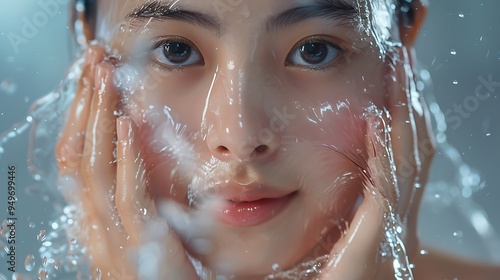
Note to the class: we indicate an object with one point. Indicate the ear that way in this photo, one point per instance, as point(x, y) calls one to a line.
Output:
point(411, 17)
point(82, 20)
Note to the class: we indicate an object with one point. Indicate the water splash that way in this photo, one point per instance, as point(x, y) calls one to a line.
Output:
point(394, 246)
point(29, 262)
point(306, 270)
point(55, 251)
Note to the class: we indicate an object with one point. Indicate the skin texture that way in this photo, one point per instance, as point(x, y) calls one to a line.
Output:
point(226, 109)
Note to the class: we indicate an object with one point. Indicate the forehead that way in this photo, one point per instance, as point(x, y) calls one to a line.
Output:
point(229, 11)
point(372, 18)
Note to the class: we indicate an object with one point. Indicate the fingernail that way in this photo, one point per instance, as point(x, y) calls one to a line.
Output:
point(122, 128)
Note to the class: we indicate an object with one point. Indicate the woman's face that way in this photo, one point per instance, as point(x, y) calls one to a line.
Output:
point(257, 105)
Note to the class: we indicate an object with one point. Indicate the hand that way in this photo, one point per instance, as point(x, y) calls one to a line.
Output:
point(388, 191)
point(111, 193)
point(356, 256)
point(412, 142)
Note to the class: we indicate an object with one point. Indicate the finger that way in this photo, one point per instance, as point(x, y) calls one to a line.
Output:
point(412, 142)
point(70, 145)
point(402, 127)
point(413, 147)
point(425, 149)
point(98, 168)
point(131, 197)
point(354, 256)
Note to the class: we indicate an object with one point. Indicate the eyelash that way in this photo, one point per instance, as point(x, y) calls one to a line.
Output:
point(316, 40)
point(309, 40)
point(162, 42)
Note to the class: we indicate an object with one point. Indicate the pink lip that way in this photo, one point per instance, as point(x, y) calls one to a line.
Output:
point(251, 211)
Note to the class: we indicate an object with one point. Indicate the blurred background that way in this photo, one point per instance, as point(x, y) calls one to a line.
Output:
point(459, 46)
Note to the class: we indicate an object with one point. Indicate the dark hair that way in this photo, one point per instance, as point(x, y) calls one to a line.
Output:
point(90, 7)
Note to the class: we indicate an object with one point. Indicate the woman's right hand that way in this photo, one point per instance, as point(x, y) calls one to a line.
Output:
point(110, 191)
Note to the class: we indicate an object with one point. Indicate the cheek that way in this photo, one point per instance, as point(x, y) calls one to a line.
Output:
point(168, 115)
point(340, 126)
point(168, 150)
point(330, 110)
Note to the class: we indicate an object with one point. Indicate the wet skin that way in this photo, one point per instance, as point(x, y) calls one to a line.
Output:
point(270, 123)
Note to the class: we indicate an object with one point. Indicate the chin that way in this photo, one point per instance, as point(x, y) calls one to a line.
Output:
point(292, 237)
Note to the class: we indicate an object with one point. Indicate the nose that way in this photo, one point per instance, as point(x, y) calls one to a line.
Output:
point(240, 119)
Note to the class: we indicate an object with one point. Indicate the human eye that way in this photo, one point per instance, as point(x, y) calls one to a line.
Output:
point(176, 52)
point(313, 52)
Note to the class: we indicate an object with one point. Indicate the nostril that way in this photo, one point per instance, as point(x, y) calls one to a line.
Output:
point(222, 150)
point(261, 149)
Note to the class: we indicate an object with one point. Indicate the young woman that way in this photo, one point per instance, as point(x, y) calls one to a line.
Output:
point(251, 139)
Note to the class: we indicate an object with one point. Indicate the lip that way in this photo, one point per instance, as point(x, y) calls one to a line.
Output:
point(251, 210)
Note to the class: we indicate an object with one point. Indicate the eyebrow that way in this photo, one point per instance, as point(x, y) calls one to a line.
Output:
point(165, 11)
point(328, 9)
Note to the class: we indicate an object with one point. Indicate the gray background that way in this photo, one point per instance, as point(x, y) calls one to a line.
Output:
point(459, 43)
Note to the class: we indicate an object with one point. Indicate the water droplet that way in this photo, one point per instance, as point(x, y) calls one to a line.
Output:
point(29, 262)
point(488, 134)
point(42, 274)
point(37, 177)
point(458, 234)
point(455, 82)
point(70, 265)
point(276, 267)
point(3, 228)
point(31, 225)
point(453, 52)
point(8, 86)
point(97, 274)
point(399, 229)
point(41, 235)
point(423, 252)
